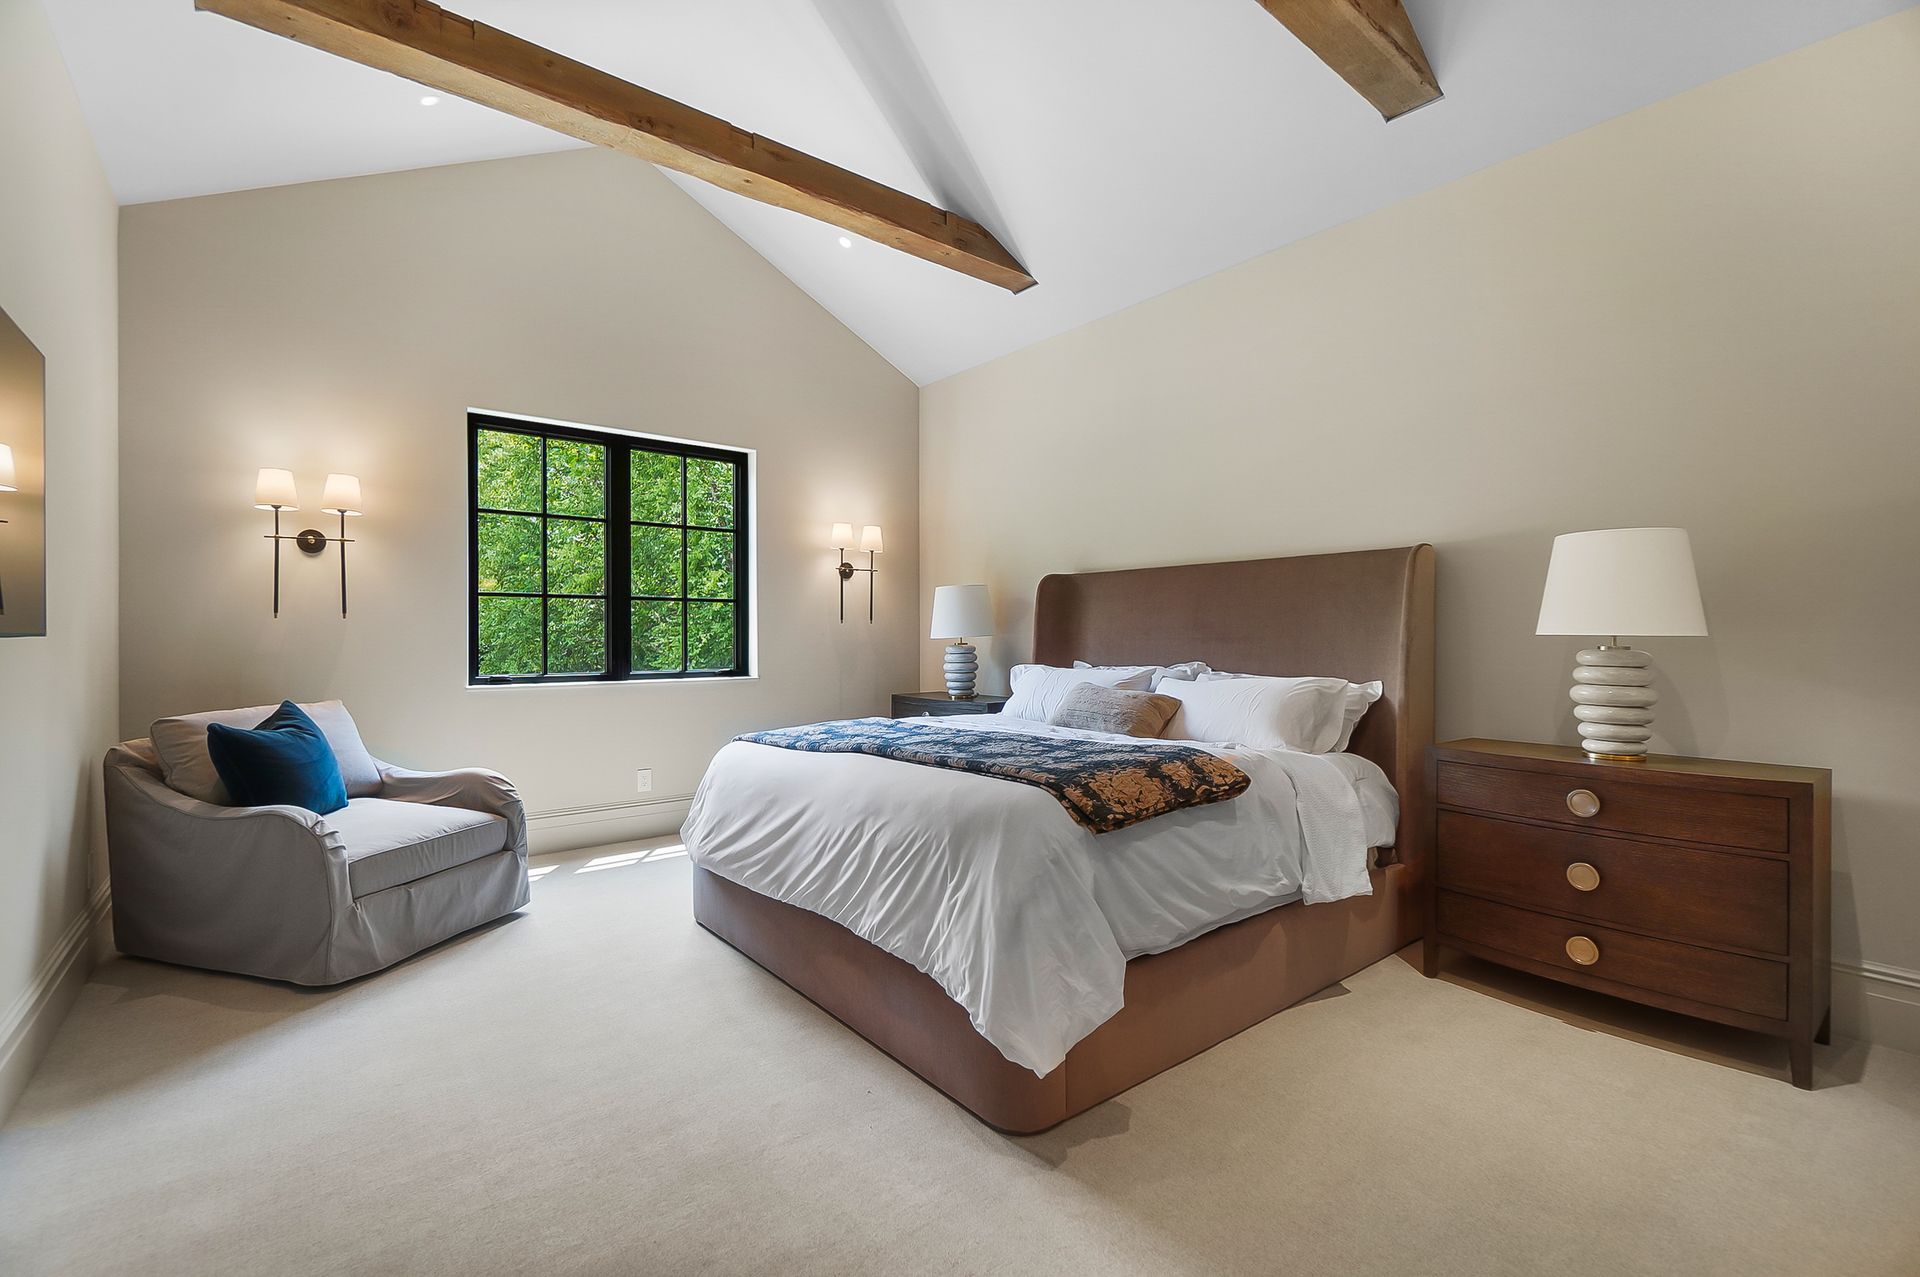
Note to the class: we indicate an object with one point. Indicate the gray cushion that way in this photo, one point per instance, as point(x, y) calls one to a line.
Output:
point(187, 768)
point(389, 843)
point(1108, 709)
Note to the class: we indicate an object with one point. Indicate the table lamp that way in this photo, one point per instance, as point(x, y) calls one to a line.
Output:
point(1633, 581)
point(960, 611)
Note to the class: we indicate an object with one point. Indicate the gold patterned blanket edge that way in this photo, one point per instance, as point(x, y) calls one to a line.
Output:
point(1103, 785)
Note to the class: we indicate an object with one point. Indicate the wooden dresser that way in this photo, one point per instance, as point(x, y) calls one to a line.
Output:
point(1685, 883)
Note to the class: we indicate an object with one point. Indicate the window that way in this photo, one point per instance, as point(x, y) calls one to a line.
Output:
point(597, 555)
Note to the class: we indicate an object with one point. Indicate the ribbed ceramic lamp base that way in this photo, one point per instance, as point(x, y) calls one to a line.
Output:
point(961, 666)
point(1613, 698)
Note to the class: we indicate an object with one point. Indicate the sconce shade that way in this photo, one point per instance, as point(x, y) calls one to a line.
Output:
point(870, 539)
point(1633, 581)
point(841, 537)
point(342, 495)
point(275, 488)
point(961, 611)
point(7, 479)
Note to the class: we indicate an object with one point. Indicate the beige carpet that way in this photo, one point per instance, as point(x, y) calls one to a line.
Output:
point(598, 1086)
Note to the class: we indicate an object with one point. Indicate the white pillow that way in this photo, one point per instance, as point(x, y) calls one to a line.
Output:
point(1037, 690)
point(1185, 669)
point(187, 767)
point(1304, 714)
point(1359, 696)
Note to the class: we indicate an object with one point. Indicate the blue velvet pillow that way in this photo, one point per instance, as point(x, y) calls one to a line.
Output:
point(285, 760)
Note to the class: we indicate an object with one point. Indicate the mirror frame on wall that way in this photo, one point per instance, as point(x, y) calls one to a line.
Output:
point(23, 506)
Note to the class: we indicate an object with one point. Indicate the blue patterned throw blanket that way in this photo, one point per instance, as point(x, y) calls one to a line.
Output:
point(1104, 785)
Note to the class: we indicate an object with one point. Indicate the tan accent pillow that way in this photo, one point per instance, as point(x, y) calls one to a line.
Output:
point(1090, 708)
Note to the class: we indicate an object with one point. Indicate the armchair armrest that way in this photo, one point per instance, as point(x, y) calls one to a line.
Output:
point(250, 889)
point(469, 788)
point(172, 807)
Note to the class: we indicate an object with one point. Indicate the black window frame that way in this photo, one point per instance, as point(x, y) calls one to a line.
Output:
point(617, 524)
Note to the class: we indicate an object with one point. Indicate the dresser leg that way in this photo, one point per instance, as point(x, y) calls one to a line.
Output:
point(1800, 1056)
point(1825, 1036)
point(1430, 956)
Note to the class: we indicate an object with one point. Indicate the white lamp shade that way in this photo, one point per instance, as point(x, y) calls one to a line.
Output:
point(1635, 581)
point(961, 611)
point(342, 495)
point(275, 488)
point(870, 539)
point(841, 537)
point(7, 479)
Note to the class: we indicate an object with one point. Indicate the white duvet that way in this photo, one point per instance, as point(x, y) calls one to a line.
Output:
point(987, 885)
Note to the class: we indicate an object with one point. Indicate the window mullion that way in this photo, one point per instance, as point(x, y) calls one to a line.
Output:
point(619, 562)
point(740, 568)
point(686, 637)
point(473, 552)
point(546, 606)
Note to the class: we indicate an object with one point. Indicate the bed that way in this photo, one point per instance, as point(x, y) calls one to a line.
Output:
point(1360, 616)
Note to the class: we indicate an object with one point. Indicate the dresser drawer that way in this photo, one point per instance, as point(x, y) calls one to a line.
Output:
point(1696, 815)
point(1753, 985)
point(931, 705)
point(1703, 897)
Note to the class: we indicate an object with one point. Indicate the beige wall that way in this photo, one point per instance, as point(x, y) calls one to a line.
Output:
point(348, 326)
point(57, 693)
point(1706, 313)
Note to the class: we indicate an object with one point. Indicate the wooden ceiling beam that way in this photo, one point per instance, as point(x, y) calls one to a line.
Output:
point(1371, 44)
point(451, 54)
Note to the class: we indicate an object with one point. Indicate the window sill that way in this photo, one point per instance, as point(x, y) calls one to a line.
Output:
point(613, 682)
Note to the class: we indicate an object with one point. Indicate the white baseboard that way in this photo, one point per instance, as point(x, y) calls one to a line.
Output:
point(30, 1023)
point(1877, 1003)
point(570, 828)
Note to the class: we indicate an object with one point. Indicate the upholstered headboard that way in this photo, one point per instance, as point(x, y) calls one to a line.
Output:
point(1358, 616)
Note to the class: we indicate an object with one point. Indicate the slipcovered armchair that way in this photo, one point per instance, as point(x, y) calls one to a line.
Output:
point(281, 892)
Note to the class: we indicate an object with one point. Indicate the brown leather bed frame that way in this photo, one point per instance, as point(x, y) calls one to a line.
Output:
point(1359, 616)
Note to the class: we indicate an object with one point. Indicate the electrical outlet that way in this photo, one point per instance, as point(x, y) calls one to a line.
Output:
point(643, 779)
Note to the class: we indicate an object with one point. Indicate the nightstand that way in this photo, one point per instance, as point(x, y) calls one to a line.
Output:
point(940, 705)
point(1684, 883)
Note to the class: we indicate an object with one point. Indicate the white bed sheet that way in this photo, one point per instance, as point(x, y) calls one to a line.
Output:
point(989, 887)
point(1159, 893)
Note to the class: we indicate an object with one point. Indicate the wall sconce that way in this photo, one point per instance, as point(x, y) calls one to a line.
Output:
point(274, 490)
point(842, 536)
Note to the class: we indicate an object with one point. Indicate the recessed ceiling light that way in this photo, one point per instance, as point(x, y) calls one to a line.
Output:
point(845, 242)
point(429, 100)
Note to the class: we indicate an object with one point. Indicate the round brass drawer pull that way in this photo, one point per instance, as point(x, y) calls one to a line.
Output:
point(1582, 876)
point(1583, 951)
point(1583, 803)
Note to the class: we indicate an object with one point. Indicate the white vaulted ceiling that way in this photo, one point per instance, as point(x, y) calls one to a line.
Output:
point(1119, 148)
